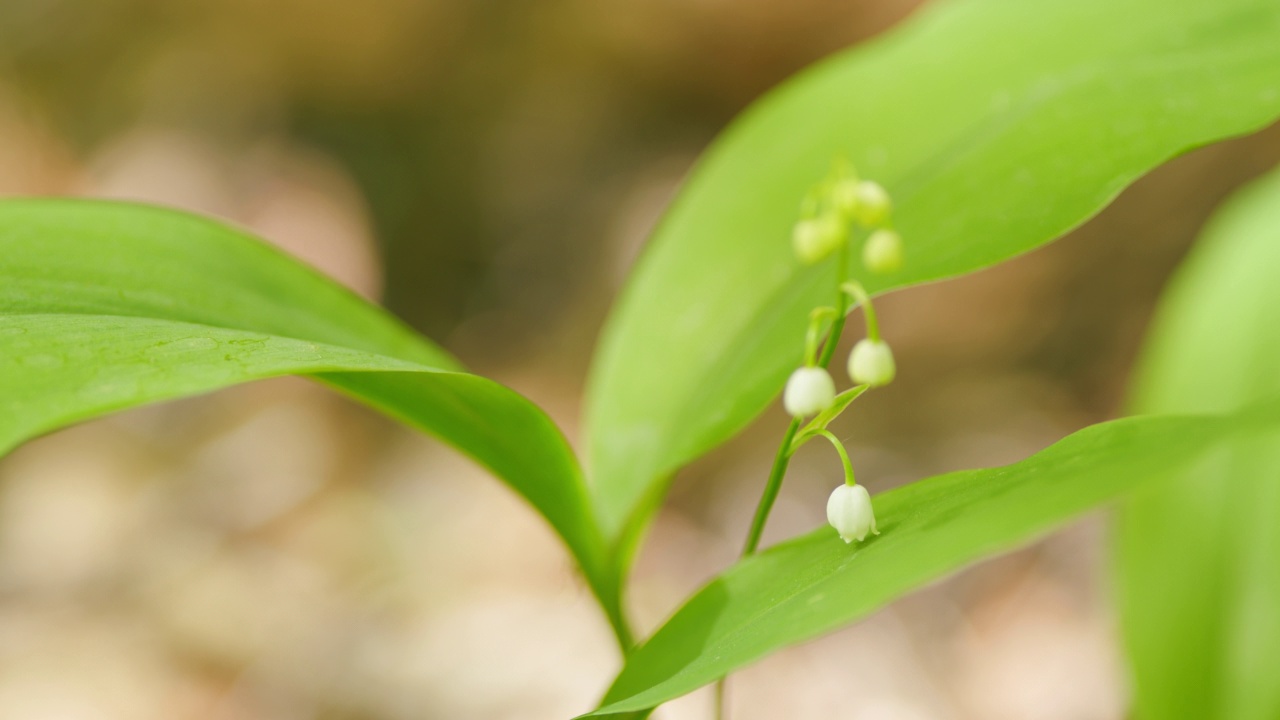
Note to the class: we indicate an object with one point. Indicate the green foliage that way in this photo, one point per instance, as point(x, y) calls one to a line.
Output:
point(814, 584)
point(105, 306)
point(824, 418)
point(996, 125)
point(1199, 558)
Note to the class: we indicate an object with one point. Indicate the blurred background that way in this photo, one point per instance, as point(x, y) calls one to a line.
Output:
point(490, 170)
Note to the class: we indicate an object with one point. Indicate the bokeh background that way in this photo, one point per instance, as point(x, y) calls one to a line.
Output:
point(490, 170)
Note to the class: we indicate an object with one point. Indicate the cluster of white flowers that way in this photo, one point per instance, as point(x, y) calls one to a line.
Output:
point(832, 214)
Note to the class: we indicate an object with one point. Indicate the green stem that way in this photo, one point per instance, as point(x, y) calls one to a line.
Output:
point(842, 308)
point(837, 327)
point(780, 461)
point(621, 628)
point(859, 293)
point(783, 457)
point(813, 334)
point(771, 488)
point(844, 456)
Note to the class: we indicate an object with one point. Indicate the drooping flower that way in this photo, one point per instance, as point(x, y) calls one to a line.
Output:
point(849, 512)
point(810, 390)
point(871, 363)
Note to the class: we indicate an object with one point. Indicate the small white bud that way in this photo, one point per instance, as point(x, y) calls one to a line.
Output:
point(883, 251)
point(871, 363)
point(816, 238)
point(849, 512)
point(810, 390)
point(873, 203)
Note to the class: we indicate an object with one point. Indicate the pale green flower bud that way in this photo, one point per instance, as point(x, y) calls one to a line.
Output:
point(883, 251)
point(849, 512)
point(810, 390)
point(871, 363)
point(816, 238)
point(873, 203)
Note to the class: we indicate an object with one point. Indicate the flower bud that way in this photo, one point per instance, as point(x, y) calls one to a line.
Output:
point(871, 363)
point(810, 390)
point(849, 512)
point(883, 252)
point(873, 204)
point(816, 238)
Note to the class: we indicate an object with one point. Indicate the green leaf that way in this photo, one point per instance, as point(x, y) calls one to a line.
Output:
point(1199, 559)
point(814, 584)
point(105, 306)
point(826, 417)
point(996, 125)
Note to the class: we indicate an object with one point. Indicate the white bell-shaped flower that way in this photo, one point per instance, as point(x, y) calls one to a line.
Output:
point(871, 363)
point(849, 512)
point(883, 251)
point(810, 390)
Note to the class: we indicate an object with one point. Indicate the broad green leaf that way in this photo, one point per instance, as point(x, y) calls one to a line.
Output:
point(996, 125)
point(105, 306)
point(1199, 559)
point(816, 583)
